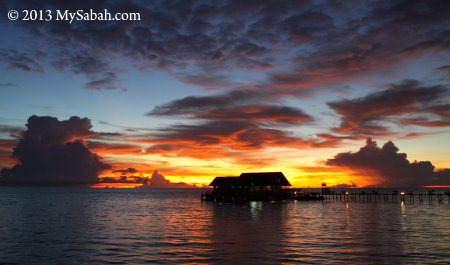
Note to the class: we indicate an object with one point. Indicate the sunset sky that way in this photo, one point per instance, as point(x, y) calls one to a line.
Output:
point(199, 89)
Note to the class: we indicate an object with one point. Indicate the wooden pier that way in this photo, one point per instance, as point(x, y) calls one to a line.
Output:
point(347, 197)
point(265, 195)
point(274, 186)
point(402, 197)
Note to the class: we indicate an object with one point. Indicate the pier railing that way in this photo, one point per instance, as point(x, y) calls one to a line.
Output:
point(302, 195)
point(404, 197)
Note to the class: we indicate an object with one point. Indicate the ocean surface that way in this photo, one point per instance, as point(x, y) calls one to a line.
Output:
point(116, 226)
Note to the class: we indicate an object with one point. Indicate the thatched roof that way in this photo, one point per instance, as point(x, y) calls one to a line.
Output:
point(225, 181)
point(264, 179)
point(253, 179)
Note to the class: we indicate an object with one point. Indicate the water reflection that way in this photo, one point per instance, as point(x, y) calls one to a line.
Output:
point(247, 233)
point(312, 232)
point(46, 224)
point(172, 226)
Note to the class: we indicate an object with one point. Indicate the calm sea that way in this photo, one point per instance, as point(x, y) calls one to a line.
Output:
point(80, 225)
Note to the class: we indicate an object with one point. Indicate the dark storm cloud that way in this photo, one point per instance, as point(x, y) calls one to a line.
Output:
point(52, 152)
point(332, 38)
point(419, 27)
point(393, 168)
point(366, 115)
point(293, 46)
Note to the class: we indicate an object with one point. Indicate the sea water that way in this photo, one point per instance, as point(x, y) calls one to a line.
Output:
point(82, 225)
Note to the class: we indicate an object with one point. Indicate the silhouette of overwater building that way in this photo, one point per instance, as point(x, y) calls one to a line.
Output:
point(264, 186)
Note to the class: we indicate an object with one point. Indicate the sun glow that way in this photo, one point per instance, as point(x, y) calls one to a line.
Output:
point(105, 185)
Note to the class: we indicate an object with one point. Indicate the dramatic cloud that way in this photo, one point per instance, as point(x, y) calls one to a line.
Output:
point(232, 106)
point(237, 120)
point(261, 72)
point(390, 167)
point(224, 134)
point(52, 152)
point(368, 115)
point(325, 41)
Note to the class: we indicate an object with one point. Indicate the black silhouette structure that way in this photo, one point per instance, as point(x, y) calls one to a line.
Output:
point(264, 186)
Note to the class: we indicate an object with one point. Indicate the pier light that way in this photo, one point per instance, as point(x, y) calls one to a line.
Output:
point(346, 193)
point(402, 193)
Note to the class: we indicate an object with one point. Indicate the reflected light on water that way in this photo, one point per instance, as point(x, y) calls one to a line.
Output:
point(68, 225)
point(255, 208)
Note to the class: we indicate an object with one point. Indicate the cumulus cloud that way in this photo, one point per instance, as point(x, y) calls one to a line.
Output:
point(52, 152)
point(390, 167)
point(157, 180)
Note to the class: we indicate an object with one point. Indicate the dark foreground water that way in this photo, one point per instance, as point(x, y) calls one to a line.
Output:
point(76, 226)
